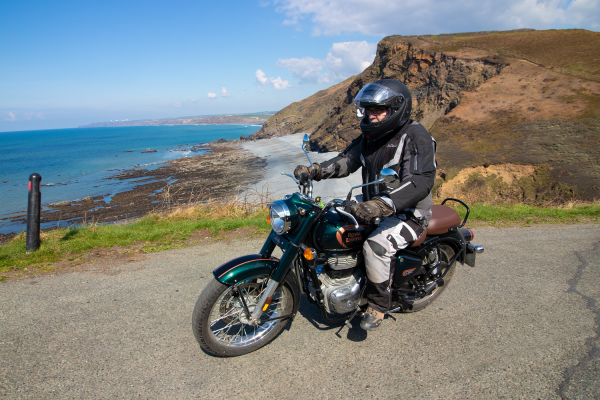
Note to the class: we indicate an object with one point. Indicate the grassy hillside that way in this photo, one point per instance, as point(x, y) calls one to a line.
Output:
point(525, 98)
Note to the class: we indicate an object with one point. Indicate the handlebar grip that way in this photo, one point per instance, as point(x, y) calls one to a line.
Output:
point(303, 178)
point(348, 206)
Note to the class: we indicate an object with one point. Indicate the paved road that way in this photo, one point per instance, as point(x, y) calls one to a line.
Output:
point(523, 324)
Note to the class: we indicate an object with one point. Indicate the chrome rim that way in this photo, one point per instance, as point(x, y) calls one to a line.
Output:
point(228, 321)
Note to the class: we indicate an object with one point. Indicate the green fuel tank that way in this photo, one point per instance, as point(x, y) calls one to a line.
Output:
point(335, 232)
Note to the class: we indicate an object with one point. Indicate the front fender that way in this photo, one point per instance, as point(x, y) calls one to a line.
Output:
point(245, 267)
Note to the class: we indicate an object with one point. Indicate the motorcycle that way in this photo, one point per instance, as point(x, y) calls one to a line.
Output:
point(251, 298)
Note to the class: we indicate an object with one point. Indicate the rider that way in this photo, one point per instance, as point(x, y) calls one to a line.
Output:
point(390, 139)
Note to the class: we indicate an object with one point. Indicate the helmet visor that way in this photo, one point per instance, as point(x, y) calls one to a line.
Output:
point(374, 94)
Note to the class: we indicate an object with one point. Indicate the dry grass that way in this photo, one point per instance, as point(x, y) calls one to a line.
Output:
point(170, 227)
point(572, 51)
point(510, 185)
point(249, 205)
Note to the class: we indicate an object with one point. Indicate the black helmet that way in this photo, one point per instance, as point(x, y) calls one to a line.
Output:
point(389, 93)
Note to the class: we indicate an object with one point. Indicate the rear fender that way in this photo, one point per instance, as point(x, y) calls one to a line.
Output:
point(245, 267)
point(457, 242)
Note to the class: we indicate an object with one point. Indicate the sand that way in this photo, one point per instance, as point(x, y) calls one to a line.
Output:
point(283, 154)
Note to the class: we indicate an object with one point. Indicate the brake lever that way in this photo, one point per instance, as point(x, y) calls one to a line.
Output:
point(291, 176)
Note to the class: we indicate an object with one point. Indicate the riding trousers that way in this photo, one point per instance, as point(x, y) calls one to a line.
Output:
point(393, 233)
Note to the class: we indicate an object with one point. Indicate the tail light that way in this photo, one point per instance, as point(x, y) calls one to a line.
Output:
point(467, 234)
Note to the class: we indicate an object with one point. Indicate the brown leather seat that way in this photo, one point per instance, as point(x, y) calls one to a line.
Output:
point(442, 219)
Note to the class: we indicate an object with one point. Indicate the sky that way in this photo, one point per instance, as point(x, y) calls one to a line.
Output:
point(69, 63)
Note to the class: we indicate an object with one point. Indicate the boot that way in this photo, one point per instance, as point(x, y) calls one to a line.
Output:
point(371, 319)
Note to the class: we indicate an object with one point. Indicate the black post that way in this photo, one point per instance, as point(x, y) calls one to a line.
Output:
point(34, 206)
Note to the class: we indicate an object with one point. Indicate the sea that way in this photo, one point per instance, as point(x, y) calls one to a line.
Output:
point(74, 163)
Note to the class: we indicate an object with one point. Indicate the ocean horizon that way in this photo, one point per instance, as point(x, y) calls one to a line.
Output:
point(75, 163)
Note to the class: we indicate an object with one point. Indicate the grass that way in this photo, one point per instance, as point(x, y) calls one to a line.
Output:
point(522, 214)
point(152, 233)
point(161, 232)
point(568, 51)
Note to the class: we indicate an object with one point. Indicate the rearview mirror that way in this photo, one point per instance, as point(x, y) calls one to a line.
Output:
point(305, 143)
point(391, 178)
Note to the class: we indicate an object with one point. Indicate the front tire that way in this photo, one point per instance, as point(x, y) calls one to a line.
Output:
point(220, 323)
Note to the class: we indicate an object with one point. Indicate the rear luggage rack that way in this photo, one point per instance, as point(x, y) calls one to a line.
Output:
point(465, 206)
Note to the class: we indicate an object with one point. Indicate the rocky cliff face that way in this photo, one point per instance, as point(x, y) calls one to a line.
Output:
point(524, 97)
point(436, 81)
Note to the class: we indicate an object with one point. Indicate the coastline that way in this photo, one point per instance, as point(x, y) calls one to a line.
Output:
point(248, 169)
point(222, 172)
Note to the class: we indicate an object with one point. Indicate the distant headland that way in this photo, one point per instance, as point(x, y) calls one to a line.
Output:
point(257, 118)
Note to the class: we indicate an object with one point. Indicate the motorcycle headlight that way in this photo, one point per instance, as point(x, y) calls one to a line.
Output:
point(280, 217)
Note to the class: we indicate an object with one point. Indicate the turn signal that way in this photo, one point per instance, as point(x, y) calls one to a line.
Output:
point(309, 254)
point(267, 304)
point(269, 218)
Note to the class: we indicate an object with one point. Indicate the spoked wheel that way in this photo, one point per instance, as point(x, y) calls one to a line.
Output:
point(419, 303)
point(221, 324)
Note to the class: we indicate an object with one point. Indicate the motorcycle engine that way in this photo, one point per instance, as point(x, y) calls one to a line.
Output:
point(340, 282)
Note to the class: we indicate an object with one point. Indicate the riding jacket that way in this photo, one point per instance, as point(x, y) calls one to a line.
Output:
point(410, 151)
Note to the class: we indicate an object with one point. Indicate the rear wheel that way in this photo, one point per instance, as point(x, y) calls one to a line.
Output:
point(221, 325)
point(419, 303)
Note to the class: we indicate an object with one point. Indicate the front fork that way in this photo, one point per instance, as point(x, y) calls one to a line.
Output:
point(286, 261)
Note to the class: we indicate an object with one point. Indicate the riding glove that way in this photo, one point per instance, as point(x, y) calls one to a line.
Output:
point(377, 208)
point(314, 173)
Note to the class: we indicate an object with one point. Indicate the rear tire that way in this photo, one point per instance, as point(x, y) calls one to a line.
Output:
point(219, 320)
point(421, 303)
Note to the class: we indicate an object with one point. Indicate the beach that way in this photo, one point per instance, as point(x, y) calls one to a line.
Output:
point(249, 171)
point(283, 154)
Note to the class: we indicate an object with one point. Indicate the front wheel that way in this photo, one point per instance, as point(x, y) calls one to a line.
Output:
point(220, 323)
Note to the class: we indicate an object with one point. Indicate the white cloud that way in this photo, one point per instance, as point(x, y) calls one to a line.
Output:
point(244, 88)
point(410, 17)
point(343, 60)
point(211, 95)
point(224, 92)
point(11, 117)
point(306, 69)
point(278, 83)
point(191, 100)
point(261, 78)
point(176, 104)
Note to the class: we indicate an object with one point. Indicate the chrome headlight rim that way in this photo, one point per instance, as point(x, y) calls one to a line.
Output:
point(280, 216)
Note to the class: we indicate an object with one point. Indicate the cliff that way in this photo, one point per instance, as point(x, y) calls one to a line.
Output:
point(525, 97)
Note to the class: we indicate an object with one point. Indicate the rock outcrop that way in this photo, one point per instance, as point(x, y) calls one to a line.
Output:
point(522, 97)
point(436, 81)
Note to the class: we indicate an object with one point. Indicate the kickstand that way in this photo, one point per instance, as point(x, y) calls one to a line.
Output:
point(347, 322)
